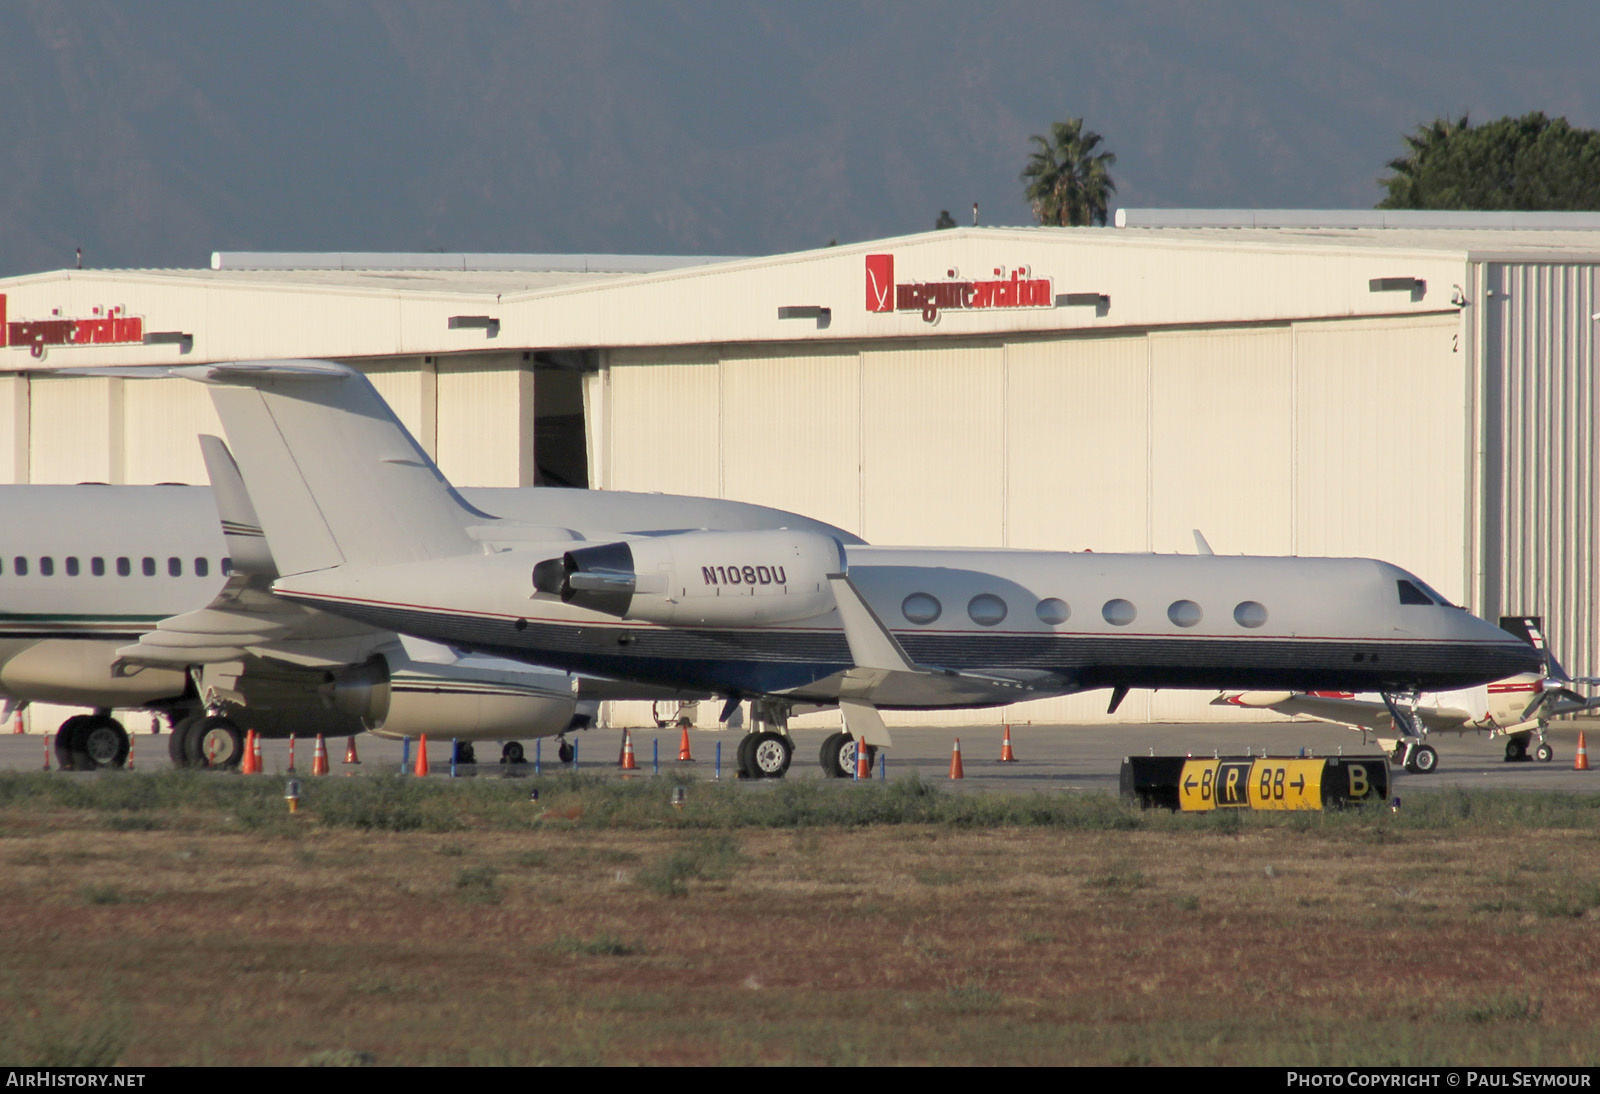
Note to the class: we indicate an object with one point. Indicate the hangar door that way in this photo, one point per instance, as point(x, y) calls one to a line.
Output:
point(1337, 437)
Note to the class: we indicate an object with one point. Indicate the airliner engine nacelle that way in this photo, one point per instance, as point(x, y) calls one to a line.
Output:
point(395, 697)
point(700, 578)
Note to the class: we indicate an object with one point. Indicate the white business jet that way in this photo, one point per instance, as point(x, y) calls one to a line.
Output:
point(362, 524)
point(117, 597)
point(1517, 708)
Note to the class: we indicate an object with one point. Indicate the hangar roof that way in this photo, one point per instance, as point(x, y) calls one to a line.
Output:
point(1163, 268)
point(1507, 236)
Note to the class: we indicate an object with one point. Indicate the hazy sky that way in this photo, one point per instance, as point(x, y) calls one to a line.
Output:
point(152, 133)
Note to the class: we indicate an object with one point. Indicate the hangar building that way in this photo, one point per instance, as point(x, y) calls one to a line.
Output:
point(1415, 387)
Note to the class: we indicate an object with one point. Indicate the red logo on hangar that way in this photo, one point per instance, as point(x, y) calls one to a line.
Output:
point(105, 327)
point(1007, 288)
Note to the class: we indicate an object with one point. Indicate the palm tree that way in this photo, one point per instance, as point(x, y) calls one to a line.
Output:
point(1068, 182)
point(1430, 142)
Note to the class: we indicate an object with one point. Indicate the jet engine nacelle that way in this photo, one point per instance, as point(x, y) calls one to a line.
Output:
point(81, 673)
point(395, 697)
point(700, 578)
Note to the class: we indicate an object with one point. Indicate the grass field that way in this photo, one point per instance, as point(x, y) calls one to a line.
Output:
point(188, 919)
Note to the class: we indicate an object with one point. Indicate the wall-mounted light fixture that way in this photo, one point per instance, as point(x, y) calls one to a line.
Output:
point(822, 315)
point(1099, 301)
point(182, 339)
point(1416, 286)
point(489, 324)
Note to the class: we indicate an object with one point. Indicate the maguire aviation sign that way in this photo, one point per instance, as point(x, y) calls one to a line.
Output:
point(108, 326)
point(1016, 288)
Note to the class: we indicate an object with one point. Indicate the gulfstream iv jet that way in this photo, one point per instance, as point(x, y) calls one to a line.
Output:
point(362, 524)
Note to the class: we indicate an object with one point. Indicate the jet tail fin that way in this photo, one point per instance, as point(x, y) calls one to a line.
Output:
point(333, 475)
point(1530, 628)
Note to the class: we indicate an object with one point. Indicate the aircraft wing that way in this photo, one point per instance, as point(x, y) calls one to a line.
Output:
point(1341, 709)
point(885, 675)
point(245, 618)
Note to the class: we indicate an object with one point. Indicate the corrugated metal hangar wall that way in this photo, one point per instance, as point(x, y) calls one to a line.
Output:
point(1537, 488)
point(1295, 438)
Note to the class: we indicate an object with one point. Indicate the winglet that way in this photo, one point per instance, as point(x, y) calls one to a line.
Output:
point(871, 644)
point(1200, 544)
point(241, 528)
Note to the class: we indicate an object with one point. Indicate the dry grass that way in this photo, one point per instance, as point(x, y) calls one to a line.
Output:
point(192, 942)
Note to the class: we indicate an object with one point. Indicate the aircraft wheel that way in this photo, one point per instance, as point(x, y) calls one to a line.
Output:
point(839, 756)
point(1516, 749)
point(1424, 760)
point(69, 744)
point(465, 753)
point(564, 752)
point(178, 740)
point(769, 755)
point(1544, 752)
point(747, 744)
point(511, 753)
point(214, 741)
point(103, 740)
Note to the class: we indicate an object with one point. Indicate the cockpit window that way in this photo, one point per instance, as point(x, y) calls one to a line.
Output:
point(1430, 591)
point(1410, 594)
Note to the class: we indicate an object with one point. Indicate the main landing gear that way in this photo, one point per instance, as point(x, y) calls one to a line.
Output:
point(1517, 749)
point(206, 740)
point(764, 755)
point(839, 756)
point(89, 741)
point(765, 751)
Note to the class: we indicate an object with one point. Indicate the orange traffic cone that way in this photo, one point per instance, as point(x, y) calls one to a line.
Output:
point(16, 726)
point(256, 766)
point(47, 752)
point(627, 752)
point(128, 765)
point(422, 767)
point(1580, 762)
point(683, 747)
point(863, 760)
point(1006, 755)
point(319, 758)
point(956, 771)
point(291, 753)
point(350, 756)
point(244, 761)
